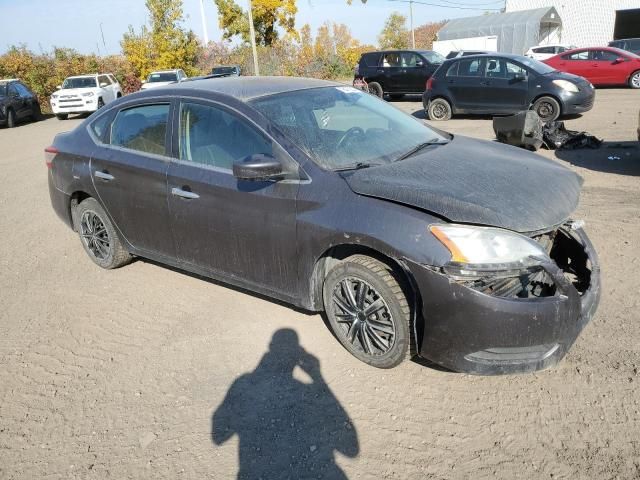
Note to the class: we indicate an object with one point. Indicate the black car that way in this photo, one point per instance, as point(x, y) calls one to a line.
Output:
point(397, 72)
point(17, 102)
point(317, 194)
point(225, 71)
point(504, 84)
point(630, 44)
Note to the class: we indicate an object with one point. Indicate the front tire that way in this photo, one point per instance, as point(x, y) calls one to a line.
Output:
point(439, 110)
point(376, 89)
point(368, 311)
point(36, 113)
point(547, 108)
point(98, 236)
point(634, 79)
point(100, 103)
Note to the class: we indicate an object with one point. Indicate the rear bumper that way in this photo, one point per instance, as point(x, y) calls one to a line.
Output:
point(473, 332)
point(60, 202)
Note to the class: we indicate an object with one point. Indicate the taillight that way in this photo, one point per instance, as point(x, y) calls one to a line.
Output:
point(430, 83)
point(49, 154)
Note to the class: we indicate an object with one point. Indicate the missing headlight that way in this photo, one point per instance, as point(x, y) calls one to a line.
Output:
point(532, 284)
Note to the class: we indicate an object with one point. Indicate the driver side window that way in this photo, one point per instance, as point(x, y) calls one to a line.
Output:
point(211, 136)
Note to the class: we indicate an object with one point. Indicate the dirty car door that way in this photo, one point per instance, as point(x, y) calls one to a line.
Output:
point(241, 229)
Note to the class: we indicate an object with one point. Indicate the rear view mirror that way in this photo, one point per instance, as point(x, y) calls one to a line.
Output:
point(256, 167)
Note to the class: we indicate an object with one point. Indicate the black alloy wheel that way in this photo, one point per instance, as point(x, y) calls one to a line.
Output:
point(368, 311)
point(98, 236)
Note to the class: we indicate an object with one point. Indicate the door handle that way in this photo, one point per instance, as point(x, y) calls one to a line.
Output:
point(107, 177)
point(178, 192)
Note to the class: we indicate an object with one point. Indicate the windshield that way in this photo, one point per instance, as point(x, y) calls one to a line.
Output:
point(223, 70)
point(433, 57)
point(163, 77)
point(536, 66)
point(342, 126)
point(80, 82)
point(3, 89)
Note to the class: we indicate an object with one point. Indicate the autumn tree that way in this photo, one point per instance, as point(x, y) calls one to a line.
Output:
point(395, 33)
point(426, 34)
point(164, 44)
point(268, 15)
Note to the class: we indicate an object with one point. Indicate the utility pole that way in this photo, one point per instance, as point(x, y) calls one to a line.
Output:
point(413, 36)
point(252, 33)
point(205, 34)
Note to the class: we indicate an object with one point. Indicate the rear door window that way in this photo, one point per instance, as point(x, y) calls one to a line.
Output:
point(392, 59)
point(409, 59)
point(577, 56)
point(453, 70)
point(142, 128)
point(471, 67)
point(371, 59)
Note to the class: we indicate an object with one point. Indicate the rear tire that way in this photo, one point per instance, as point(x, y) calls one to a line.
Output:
point(376, 89)
point(547, 108)
point(98, 236)
point(634, 79)
point(11, 118)
point(62, 116)
point(368, 311)
point(439, 110)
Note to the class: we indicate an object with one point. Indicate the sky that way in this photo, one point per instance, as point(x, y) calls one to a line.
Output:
point(79, 24)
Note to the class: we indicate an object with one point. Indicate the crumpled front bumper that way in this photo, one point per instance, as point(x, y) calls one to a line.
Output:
point(473, 332)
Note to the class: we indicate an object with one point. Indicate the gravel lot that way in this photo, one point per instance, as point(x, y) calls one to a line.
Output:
point(118, 374)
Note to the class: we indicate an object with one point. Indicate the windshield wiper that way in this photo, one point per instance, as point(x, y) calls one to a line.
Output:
point(355, 166)
point(419, 147)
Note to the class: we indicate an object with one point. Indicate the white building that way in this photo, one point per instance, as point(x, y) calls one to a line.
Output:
point(585, 23)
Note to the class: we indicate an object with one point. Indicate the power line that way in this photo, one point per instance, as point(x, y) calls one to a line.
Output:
point(455, 7)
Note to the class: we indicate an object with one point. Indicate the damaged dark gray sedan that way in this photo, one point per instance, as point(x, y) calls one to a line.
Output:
point(413, 241)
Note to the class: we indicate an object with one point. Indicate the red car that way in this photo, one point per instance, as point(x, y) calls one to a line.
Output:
point(600, 65)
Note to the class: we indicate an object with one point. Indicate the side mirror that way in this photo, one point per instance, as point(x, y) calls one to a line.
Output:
point(419, 63)
point(58, 87)
point(520, 77)
point(143, 82)
point(619, 60)
point(257, 167)
point(103, 85)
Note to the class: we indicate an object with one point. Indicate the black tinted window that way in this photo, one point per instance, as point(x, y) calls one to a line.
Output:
point(100, 127)
point(371, 59)
point(211, 136)
point(22, 90)
point(141, 128)
point(544, 50)
point(470, 68)
point(453, 70)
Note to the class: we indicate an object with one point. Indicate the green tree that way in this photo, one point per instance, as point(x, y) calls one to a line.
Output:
point(164, 44)
point(267, 16)
point(395, 33)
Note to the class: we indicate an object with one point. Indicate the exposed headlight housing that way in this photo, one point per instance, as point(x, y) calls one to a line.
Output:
point(478, 251)
point(566, 85)
point(88, 94)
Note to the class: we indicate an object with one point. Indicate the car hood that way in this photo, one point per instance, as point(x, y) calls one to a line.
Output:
point(478, 182)
point(76, 91)
point(577, 79)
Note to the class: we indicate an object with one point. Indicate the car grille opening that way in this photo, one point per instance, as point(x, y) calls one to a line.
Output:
point(564, 248)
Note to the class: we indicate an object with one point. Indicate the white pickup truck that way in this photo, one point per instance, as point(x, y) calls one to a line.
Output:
point(84, 94)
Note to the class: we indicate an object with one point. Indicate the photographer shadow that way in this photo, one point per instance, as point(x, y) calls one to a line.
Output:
point(287, 427)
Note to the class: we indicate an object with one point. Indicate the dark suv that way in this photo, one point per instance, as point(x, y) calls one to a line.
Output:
point(397, 72)
point(17, 102)
point(630, 44)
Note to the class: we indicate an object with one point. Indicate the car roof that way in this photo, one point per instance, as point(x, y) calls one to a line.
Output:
point(247, 88)
point(7, 80)
point(165, 71)
point(513, 56)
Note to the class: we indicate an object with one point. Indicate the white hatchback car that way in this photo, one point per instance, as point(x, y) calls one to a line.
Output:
point(542, 52)
point(84, 94)
point(163, 77)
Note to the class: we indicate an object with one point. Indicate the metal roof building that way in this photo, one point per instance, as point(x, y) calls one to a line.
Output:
point(585, 23)
point(516, 31)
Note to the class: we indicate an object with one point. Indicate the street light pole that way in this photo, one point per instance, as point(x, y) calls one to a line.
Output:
point(205, 33)
point(413, 36)
point(252, 33)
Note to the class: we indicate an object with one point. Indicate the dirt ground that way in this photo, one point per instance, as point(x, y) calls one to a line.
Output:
point(146, 372)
